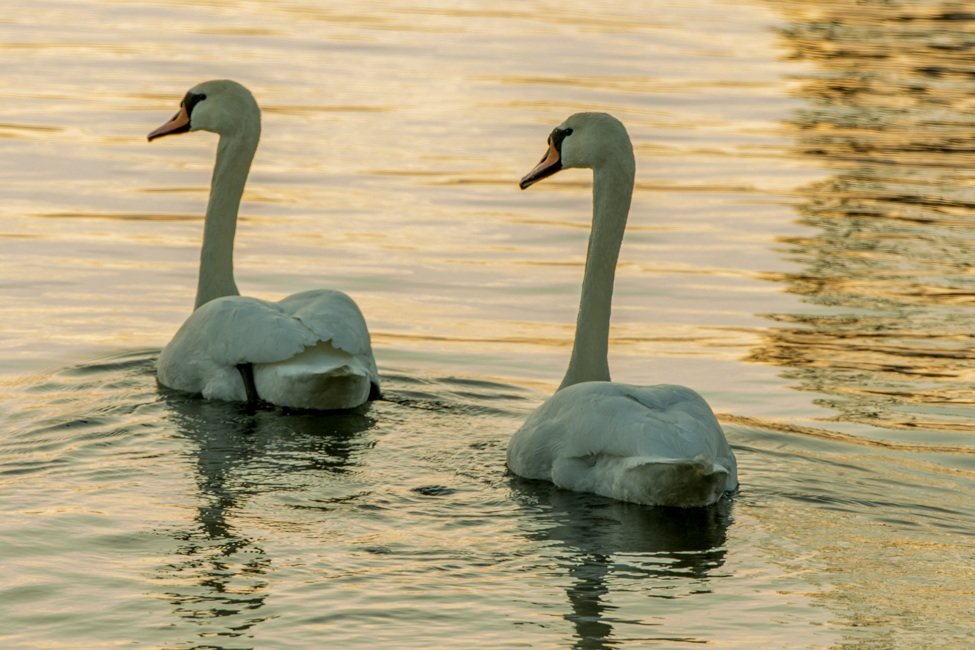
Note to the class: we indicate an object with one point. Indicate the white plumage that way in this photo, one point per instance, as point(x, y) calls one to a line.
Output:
point(310, 350)
point(657, 445)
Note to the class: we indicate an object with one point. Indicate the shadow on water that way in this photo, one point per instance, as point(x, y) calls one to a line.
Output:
point(887, 269)
point(667, 552)
point(218, 577)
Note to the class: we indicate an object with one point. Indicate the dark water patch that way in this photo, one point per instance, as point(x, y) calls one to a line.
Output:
point(452, 392)
point(77, 425)
point(139, 362)
point(378, 550)
point(450, 402)
point(14, 467)
point(333, 503)
point(434, 490)
point(486, 387)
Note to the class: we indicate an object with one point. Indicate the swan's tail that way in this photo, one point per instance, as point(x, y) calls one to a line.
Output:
point(321, 378)
point(681, 482)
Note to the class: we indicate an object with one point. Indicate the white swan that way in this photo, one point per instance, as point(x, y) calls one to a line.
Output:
point(657, 445)
point(310, 350)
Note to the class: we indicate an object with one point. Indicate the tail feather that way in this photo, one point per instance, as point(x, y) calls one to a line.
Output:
point(321, 378)
point(679, 482)
point(683, 483)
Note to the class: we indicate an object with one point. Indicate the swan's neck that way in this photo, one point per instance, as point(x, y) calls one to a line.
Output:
point(234, 155)
point(612, 192)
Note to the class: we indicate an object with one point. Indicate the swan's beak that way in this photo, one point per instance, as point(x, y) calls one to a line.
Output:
point(551, 162)
point(179, 124)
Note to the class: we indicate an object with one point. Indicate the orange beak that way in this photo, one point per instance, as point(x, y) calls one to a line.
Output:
point(551, 162)
point(179, 124)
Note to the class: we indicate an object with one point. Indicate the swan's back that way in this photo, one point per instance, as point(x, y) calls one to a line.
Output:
point(658, 445)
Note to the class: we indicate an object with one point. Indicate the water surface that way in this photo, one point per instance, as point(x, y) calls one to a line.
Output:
point(797, 252)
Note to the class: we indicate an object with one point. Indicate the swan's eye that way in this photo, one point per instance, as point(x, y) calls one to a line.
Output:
point(558, 135)
point(191, 100)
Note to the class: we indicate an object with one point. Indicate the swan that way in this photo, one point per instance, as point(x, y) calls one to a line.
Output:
point(310, 350)
point(656, 445)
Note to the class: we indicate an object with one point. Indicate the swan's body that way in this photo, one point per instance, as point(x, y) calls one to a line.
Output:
point(310, 350)
point(657, 445)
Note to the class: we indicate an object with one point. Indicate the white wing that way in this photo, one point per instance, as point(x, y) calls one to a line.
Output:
point(334, 316)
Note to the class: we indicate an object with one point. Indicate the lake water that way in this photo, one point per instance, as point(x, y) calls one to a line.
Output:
point(799, 251)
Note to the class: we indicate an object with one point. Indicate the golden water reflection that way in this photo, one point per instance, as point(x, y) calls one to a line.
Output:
point(887, 274)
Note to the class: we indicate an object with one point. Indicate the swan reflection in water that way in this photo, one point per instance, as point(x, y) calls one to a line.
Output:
point(605, 544)
point(217, 578)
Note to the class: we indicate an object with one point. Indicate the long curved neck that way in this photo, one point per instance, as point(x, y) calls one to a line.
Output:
point(612, 192)
point(234, 155)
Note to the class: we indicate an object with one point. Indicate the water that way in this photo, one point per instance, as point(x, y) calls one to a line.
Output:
point(797, 251)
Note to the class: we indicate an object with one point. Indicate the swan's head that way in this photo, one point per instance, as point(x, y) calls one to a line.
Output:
point(589, 140)
point(220, 106)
